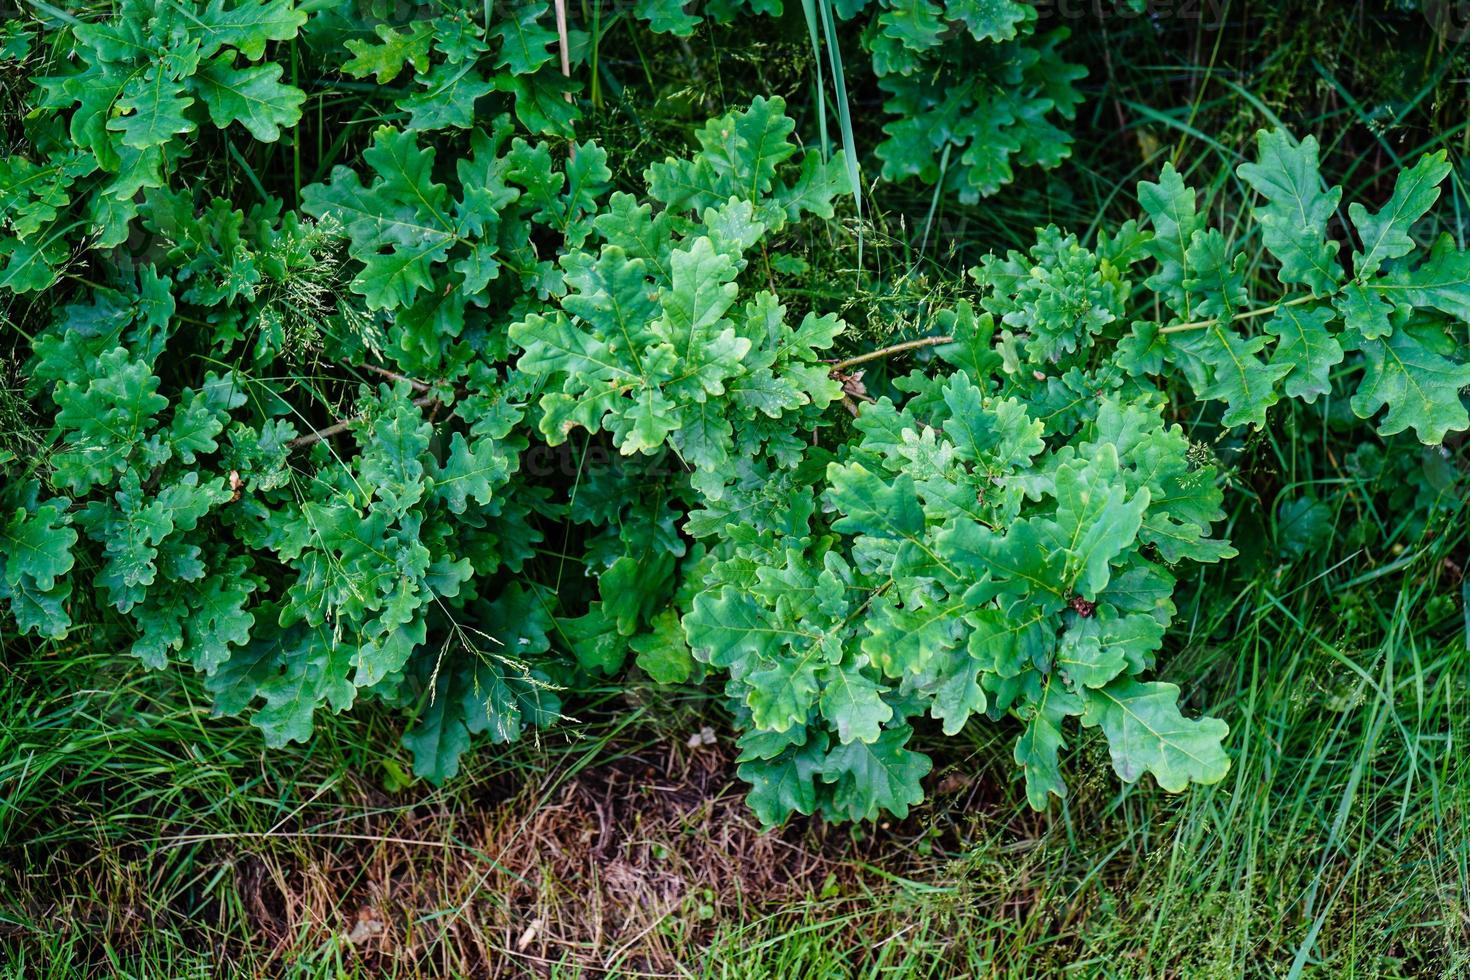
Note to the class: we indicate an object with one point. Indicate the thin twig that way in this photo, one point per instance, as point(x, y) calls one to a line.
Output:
point(339, 427)
point(1243, 315)
point(895, 349)
point(421, 386)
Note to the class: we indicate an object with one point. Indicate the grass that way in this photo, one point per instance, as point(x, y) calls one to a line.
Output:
point(143, 839)
point(139, 837)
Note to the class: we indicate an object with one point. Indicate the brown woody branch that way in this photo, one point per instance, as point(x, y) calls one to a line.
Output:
point(907, 345)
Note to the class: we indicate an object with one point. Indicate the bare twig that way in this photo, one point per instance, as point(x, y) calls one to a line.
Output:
point(895, 349)
point(339, 427)
point(420, 386)
point(1242, 315)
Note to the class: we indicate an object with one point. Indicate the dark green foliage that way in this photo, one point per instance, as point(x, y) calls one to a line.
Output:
point(971, 90)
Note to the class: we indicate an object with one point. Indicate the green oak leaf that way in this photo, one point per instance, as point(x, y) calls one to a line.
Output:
point(1385, 233)
point(1170, 206)
point(38, 545)
point(872, 777)
point(471, 472)
point(662, 652)
point(1147, 733)
point(1365, 312)
point(153, 107)
point(957, 694)
point(1037, 748)
point(254, 97)
point(1294, 217)
point(1234, 373)
point(1420, 386)
point(1440, 282)
point(386, 59)
point(1096, 519)
point(784, 784)
point(853, 704)
point(1304, 343)
point(990, 20)
point(447, 99)
point(525, 45)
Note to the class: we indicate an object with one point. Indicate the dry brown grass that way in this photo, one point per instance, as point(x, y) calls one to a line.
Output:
point(622, 867)
point(136, 832)
point(616, 867)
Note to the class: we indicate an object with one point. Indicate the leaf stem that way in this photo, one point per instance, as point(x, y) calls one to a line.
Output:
point(895, 349)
